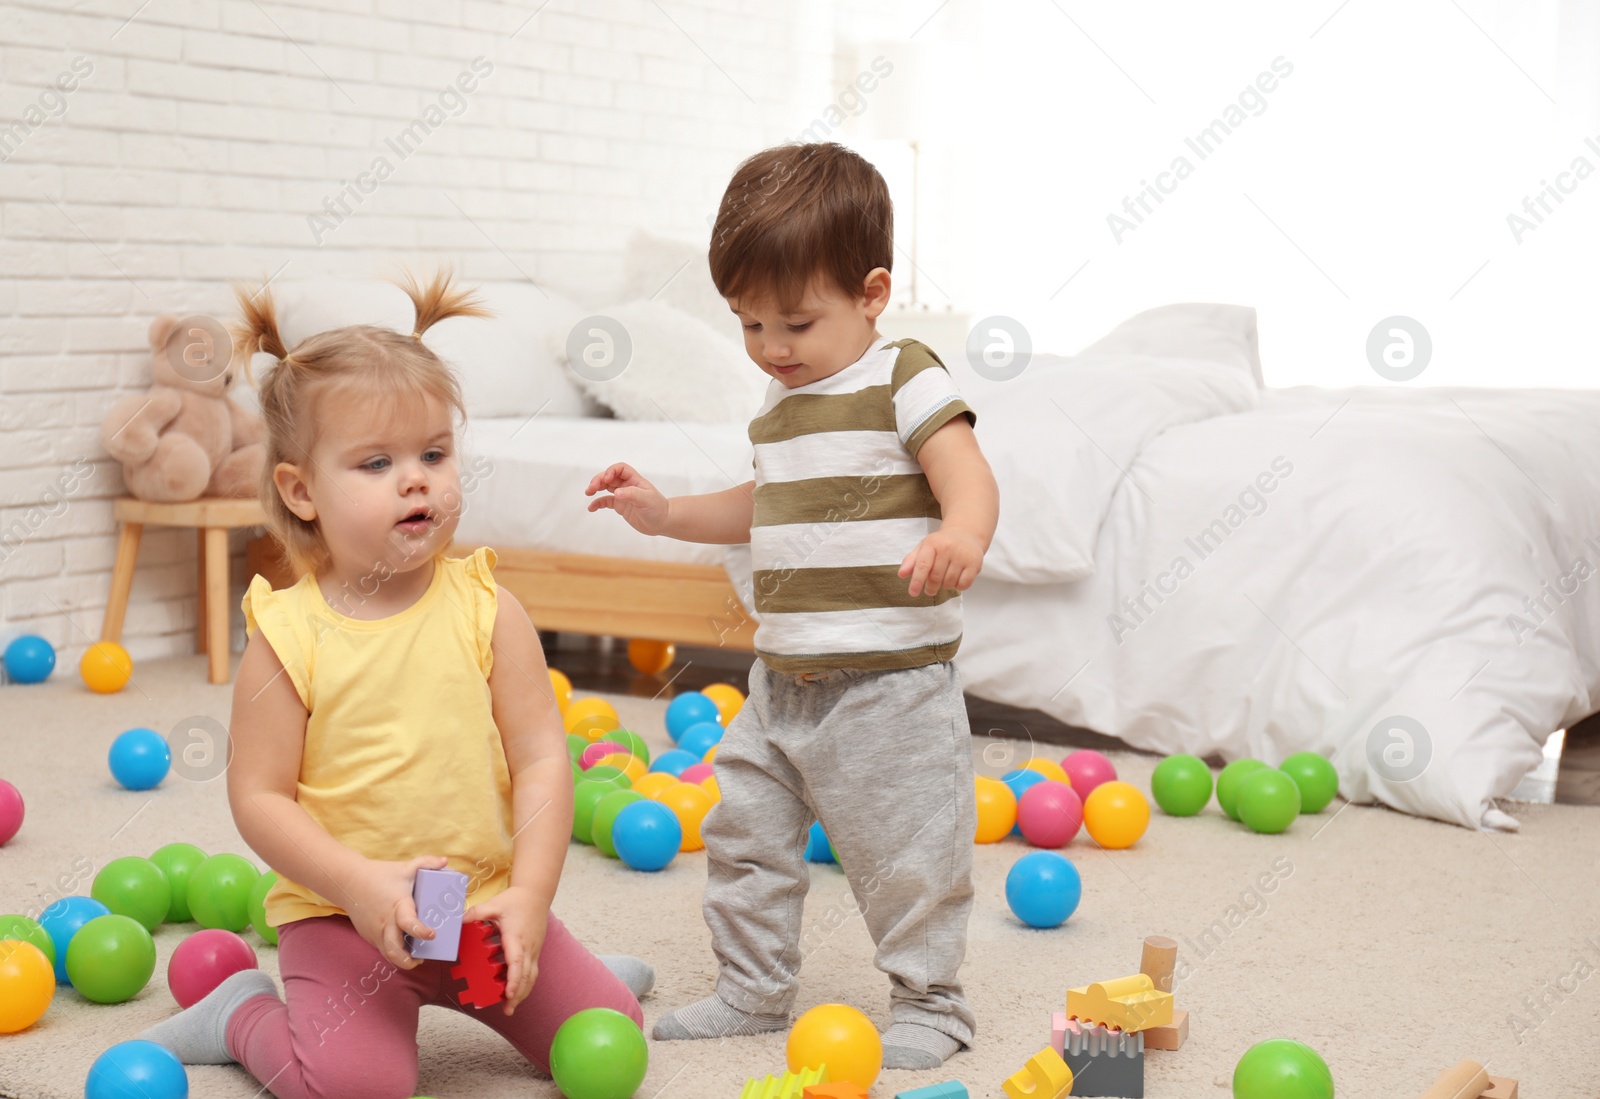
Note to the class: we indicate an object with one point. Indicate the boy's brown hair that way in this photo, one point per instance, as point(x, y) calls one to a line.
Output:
point(797, 211)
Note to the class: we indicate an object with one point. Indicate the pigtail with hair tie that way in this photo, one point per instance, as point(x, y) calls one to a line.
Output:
point(439, 300)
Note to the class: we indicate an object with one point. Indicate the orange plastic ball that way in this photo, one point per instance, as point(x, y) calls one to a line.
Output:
point(1050, 769)
point(710, 785)
point(840, 1037)
point(629, 764)
point(651, 657)
point(1116, 815)
point(106, 667)
point(690, 804)
point(651, 785)
point(997, 810)
point(591, 717)
point(562, 687)
point(729, 700)
point(27, 985)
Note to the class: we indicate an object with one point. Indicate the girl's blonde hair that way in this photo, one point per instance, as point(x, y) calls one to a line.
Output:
point(375, 359)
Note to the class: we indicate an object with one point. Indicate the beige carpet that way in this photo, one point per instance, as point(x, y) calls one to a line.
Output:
point(1392, 945)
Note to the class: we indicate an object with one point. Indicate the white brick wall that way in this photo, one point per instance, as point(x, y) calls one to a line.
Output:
point(209, 130)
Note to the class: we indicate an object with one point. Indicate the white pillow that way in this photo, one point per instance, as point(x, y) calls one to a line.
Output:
point(677, 274)
point(648, 361)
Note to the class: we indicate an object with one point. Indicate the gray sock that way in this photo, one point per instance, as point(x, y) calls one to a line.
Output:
point(197, 1035)
point(911, 1045)
point(636, 973)
point(711, 1018)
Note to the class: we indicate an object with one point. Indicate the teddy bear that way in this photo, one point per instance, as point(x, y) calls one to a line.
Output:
point(184, 438)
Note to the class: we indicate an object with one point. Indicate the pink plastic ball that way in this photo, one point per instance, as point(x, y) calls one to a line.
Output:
point(203, 961)
point(1049, 814)
point(1087, 769)
point(594, 753)
point(697, 772)
point(10, 811)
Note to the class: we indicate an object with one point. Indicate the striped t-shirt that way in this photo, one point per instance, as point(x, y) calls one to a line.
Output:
point(840, 500)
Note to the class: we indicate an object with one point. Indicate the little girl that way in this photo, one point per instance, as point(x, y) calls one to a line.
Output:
point(392, 712)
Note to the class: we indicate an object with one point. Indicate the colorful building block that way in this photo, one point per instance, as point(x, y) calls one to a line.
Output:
point(1170, 1036)
point(1104, 1062)
point(440, 897)
point(1468, 1080)
point(788, 1086)
point(950, 1089)
point(482, 965)
point(1158, 959)
point(1045, 1076)
point(1127, 1003)
point(1058, 1031)
point(842, 1089)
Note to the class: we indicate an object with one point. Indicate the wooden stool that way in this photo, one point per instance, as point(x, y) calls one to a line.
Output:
point(212, 517)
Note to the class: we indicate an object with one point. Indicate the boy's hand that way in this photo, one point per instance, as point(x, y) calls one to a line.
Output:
point(522, 922)
point(633, 498)
point(384, 913)
point(944, 559)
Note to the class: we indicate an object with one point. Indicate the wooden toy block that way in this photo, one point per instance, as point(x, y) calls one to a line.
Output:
point(788, 1086)
point(1045, 1076)
point(1170, 1036)
point(1500, 1087)
point(950, 1089)
point(1127, 1003)
point(482, 965)
point(1058, 1031)
point(1104, 1062)
point(1469, 1080)
point(1158, 959)
point(843, 1089)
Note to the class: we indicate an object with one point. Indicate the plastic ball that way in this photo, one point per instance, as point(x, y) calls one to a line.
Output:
point(1181, 785)
point(575, 746)
point(140, 759)
point(632, 743)
point(594, 753)
point(1088, 769)
point(585, 799)
point(605, 816)
point(1049, 814)
point(700, 738)
point(690, 804)
point(203, 961)
point(1050, 769)
point(818, 849)
point(629, 764)
point(137, 1070)
point(1282, 1069)
point(219, 892)
point(1043, 889)
point(30, 659)
point(1268, 801)
point(11, 811)
point(599, 1054)
point(687, 709)
point(591, 718)
point(997, 810)
point(178, 862)
point(711, 786)
point(1229, 780)
point(651, 785)
point(26, 930)
point(106, 667)
point(561, 687)
point(27, 984)
point(646, 835)
point(729, 699)
point(62, 920)
point(111, 958)
point(1021, 781)
point(673, 762)
point(603, 774)
point(1316, 777)
point(697, 773)
point(1116, 815)
point(134, 887)
point(651, 657)
point(840, 1037)
point(258, 906)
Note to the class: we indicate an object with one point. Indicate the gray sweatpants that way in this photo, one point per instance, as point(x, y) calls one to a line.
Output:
point(883, 759)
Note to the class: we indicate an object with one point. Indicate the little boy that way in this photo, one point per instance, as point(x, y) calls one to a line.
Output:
point(867, 473)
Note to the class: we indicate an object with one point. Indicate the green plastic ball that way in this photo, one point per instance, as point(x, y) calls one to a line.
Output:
point(134, 887)
point(219, 892)
point(1228, 783)
point(605, 817)
point(632, 741)
point(258, 907)
point(1316, 777)
point(1181, 785)
point(177, 862)
point(1282, 1069)
point(608, 776)
point(111, 959)
point(1268, 801)
point(584, 799)
point(599, 1054)
point(575, 746)
point(27, 930)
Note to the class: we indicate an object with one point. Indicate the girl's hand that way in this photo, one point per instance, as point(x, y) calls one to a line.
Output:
point(633, 498)
point(522, 922)
point(945, 558)
point(384, 912)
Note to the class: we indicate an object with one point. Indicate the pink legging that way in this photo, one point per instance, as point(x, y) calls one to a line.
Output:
point(349, 1028)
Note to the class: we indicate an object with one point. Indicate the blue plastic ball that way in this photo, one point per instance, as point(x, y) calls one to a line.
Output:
point(673, 762)
point(140, 759)
point(137, 1070)
point(31, 659)
point(1020, 781)
point(647, 835)
point(689, 708)
point(817, 849)
point(700, 738)
point(62, 920)
point(1043, 889)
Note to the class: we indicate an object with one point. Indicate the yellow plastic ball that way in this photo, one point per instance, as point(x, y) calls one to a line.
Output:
point(591, 717)
point(1050, 769)
point(1116, 815)
point(710, 785)
point(690, 804)
point(651, 785)
point(840, 1037)
point(626, 762)
point(651, 657)
point(106, 667)
point(997, 810)
point(562, 687)
point(729, 699)
point(711, 756)
point(27, 985)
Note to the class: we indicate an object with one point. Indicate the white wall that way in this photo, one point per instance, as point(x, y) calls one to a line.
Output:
point(202, 134)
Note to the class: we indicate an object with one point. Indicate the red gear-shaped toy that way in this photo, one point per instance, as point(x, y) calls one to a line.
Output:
point(481, 964)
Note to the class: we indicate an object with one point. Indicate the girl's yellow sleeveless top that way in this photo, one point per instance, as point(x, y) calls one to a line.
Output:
point(402, 756)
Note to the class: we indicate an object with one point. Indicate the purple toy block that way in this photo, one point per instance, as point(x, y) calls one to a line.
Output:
point(441, 898)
